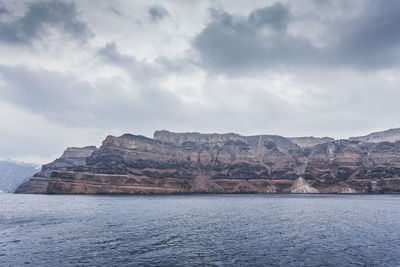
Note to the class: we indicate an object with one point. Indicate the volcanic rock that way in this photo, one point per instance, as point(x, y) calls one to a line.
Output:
point(72, 157)
point(223, 163)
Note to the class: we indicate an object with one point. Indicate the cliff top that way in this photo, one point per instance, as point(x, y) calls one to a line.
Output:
point(179, 138)
point(74, 152)
point(391, 135)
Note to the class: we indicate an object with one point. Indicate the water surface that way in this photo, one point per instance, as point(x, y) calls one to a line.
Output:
point(219, 230)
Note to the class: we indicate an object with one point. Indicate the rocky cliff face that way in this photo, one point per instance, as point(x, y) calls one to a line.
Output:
point(72, 157)
point(310, 141)
point(222, 163)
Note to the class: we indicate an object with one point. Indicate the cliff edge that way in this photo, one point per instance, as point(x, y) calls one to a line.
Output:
point(224, 163)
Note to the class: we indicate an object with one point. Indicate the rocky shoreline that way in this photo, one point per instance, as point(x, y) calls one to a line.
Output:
point(182, 163)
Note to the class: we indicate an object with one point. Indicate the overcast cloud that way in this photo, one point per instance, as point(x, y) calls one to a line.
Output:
point(72, 72)
point(40, 17)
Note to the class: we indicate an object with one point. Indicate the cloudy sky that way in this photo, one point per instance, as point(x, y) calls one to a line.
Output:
point(73, 72)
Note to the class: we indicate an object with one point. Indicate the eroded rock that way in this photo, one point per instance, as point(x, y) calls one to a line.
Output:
point(222, 163)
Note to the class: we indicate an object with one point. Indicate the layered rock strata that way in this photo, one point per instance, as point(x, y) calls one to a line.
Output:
point(222, 163)
point(72, 157)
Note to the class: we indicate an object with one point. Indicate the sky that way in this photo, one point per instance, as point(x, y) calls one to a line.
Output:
point(73, 72)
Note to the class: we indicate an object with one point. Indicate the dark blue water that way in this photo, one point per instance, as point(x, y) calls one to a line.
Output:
point(220, 230)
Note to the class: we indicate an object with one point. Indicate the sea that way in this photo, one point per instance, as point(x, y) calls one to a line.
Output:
point(200, 230)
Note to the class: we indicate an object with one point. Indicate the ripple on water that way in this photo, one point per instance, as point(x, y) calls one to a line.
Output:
point(215, 230)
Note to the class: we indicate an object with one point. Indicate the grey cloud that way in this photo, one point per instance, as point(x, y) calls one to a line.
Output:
point(116, 11)
point(57, 96)
point(124, 15)
point(40, 15)
point(151, 97)
point(143, 71)
point(276, 16)
point(373, 40)
point(111, 53)
point(157, 13)
point(140, 71)
point(4, 11)
point(64, 99)
point(236, 43)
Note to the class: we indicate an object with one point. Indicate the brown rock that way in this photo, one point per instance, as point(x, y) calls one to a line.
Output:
point(222, 163)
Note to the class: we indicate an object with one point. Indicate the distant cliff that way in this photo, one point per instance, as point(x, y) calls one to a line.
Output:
point(14, 173)
point(224, 163)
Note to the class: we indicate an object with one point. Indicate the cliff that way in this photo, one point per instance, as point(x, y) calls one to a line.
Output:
point(72, 157)
point(14, 173)
point(391, 135)
point(310, 141)
point(222, 163)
